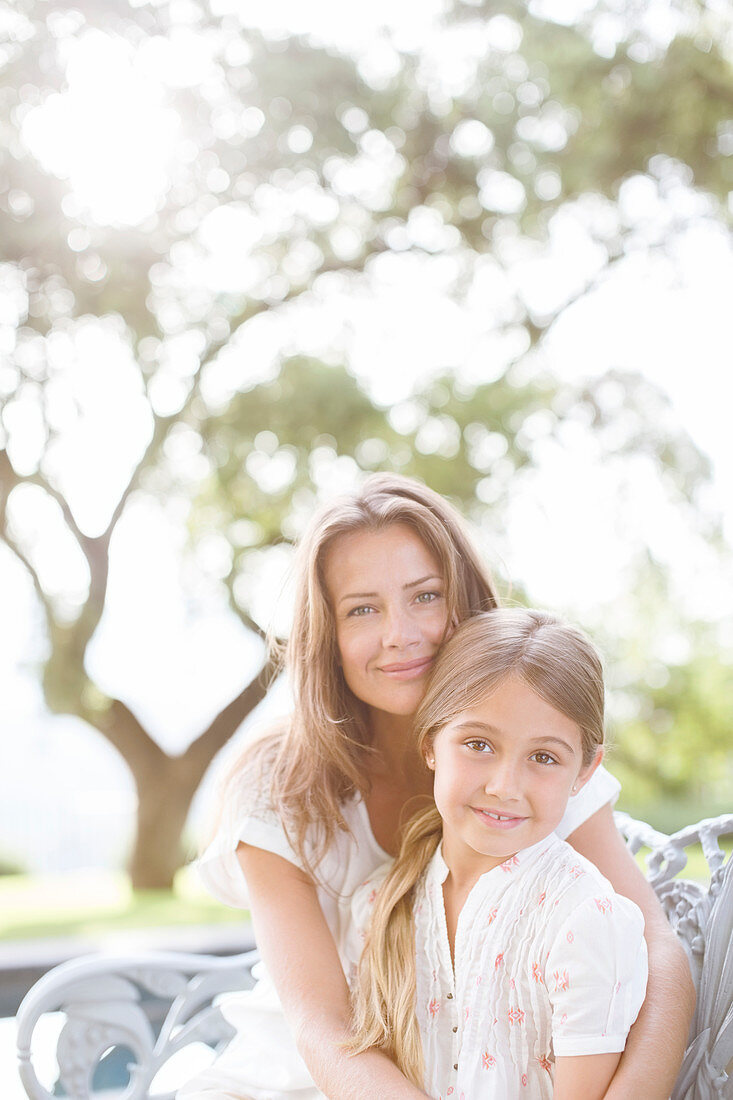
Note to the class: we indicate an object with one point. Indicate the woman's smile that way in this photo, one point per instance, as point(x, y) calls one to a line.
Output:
point(408, 670)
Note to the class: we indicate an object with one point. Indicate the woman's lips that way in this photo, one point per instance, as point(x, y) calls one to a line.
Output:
point(497, 820)
point(407, 670)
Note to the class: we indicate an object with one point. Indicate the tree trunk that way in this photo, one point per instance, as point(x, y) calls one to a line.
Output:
point(164, 799)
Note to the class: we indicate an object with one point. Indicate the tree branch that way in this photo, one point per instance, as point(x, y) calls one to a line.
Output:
point(125, 732)
point(228, 720)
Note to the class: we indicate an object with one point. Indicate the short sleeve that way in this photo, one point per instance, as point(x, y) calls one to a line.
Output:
point(595, 974)
point(249, 816)
point(600, 790)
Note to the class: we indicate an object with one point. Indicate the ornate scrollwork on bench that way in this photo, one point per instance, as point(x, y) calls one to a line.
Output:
point(106, 1001)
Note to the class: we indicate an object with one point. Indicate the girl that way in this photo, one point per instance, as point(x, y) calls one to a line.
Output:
point(313, 809)
point(497, 959)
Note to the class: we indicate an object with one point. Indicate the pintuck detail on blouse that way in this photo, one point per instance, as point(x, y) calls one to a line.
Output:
point(548, 962)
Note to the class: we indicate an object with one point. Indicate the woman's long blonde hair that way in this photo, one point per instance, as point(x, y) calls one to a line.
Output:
point(319, 756)
point(561, 665)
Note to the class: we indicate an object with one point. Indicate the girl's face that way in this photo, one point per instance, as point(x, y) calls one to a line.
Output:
point(387, 594)
point(504, 772)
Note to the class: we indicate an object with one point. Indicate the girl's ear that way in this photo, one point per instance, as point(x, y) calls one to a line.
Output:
point(430, 760)
point(587, 771)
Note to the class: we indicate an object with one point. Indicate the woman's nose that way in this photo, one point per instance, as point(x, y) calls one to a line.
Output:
point(399, 628)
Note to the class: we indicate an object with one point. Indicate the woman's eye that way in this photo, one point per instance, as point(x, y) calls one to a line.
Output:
point(357, 612)
point(427, 597)
point(544, 758)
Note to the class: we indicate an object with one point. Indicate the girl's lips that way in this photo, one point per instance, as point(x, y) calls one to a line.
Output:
point(495, 820)
point(407, 670)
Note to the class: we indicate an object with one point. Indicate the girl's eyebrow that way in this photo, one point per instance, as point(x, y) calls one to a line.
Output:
point(542, 740)
point(373, 595)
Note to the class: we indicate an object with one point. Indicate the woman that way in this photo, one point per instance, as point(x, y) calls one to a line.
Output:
point(383, 578)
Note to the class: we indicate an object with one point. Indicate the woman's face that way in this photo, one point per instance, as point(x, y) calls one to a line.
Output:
point(387, 593)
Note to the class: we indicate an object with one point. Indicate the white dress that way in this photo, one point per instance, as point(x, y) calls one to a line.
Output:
point(262, 1062)
point(549, 961)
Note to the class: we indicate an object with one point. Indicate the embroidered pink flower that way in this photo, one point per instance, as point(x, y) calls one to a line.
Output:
point(512, 983)
point(492, 916)
point(516, 1015)
point(576, 871)
point(372, 897)
point(488, 1061)
point(498, 960)
point(524, 1078)
point(434, 1007)
point(570, 937)
point(562, 980)
point(541, 900)
point(537, 973)
point(604, 905)
point(509, 863)
point(545, 1063)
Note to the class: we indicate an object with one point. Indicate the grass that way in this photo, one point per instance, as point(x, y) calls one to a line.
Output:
point(91, 904)
point(94, 904)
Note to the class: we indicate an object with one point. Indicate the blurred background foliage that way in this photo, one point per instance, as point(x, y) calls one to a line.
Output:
point(298, 176)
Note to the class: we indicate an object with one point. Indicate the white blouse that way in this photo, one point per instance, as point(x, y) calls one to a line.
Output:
point(262, 1060)
point(549, 961)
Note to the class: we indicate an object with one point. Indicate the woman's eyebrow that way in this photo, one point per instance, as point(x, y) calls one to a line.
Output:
point(358, 596)
point(373, 595)
point(430, 577)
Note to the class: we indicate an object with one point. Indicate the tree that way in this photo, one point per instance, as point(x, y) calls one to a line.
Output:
point(314, 168)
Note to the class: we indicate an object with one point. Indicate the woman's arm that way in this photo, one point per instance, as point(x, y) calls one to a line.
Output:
point(656, 1043)
point(298, 949)
point(583, 1078)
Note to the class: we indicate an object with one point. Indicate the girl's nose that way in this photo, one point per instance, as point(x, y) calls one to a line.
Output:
point(503, 780)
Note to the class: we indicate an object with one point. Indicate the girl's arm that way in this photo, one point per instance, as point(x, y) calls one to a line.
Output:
point(657, 1041)
point(298, 949)
point(584, 1078)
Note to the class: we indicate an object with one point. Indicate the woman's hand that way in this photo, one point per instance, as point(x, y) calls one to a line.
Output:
point(656, 1044)
point(300, 954)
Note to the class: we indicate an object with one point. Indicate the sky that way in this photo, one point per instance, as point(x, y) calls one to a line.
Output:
point(665, 316)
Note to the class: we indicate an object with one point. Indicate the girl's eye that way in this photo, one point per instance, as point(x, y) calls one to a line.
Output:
point(357, 612)
point(478, 745)
point(427, 597)
point(544, 758)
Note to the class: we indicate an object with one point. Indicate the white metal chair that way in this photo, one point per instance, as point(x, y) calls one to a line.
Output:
point(112, 1003)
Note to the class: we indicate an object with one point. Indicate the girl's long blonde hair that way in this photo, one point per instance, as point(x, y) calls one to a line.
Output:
point(561, 665)
point(319, 755)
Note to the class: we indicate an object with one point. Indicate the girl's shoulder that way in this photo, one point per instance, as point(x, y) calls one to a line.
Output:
point(575, 885)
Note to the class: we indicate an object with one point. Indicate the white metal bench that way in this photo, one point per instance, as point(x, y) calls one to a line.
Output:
point(112, 1003)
